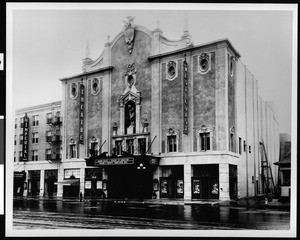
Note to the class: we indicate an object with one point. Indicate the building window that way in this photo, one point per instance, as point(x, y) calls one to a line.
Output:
point(72, 149)
point(22, 122)
point(35, 137)
point(240, 145)
point(230, 65)
point(94, 151)
point(205, 141)
point(15, 157)
point(16, 123)
point(49, 118)
point(35, 120)
point(21, 139)
point(249, 149)
point(245, 146)
point(20, 156)
point(15, 139)
point(34, 155)
point(130, 146)
point(48, 154)
point(118, 145)
point(48, 136)
point(172, 144)
point(142, 145)
point(171, 141)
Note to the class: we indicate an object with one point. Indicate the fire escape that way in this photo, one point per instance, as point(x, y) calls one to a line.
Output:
point(56, 138)
point(268, 185)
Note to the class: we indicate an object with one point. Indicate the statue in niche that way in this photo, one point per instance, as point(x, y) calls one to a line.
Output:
point(130, 117)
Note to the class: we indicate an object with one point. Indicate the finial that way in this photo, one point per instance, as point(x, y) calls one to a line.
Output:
point(185, 24)
point(87, 50)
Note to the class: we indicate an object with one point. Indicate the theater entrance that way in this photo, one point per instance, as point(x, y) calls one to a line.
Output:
point(129, 182)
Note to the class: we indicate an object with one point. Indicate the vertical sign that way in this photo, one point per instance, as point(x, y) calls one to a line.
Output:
point(25, 138)
point(81, 114)
point(185, 96)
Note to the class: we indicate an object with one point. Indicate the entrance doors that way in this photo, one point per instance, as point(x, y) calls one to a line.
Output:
point(171, 188)
point(71, 191)
point(205, 182)
point(232, 181)
point(129, 182)
point(171, 182)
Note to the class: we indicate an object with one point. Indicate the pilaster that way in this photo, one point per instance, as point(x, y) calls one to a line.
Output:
point(187, 181)
point(224, 181)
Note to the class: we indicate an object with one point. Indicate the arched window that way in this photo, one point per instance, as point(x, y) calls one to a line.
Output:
point(130, 118)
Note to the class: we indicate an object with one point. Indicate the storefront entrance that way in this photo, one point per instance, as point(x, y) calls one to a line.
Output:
point(70, 191)
point(34, 183)
point(171, 182)
point(233, 181)
point(19, 183)
point(205, 181)
point(50, 180)
point(129, 182)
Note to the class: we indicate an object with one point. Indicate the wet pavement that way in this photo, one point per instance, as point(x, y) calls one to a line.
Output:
point(119, 214)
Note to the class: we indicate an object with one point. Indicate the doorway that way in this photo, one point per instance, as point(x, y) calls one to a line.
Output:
point(128, 182)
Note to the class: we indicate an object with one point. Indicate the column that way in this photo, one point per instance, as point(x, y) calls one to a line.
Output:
point(187, 181)
point(81, 186)
point(157, 175)
point(60, 178)
point(25, 192)
point(224, 181)
point(42, 182)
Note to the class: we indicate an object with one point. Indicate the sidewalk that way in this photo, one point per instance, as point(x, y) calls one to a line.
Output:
point(249, 203)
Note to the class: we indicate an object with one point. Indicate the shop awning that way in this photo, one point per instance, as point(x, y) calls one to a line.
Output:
point(69, 182)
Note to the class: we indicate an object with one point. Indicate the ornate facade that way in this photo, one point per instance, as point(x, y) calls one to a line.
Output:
point(155, 118)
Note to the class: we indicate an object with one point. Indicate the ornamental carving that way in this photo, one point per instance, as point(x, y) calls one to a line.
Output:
point(129, 32)
point(130, 75)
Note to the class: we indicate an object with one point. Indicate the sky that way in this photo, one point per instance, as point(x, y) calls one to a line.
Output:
point(48, 43)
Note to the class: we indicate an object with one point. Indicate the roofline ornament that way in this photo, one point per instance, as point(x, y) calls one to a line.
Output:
point(128, 32)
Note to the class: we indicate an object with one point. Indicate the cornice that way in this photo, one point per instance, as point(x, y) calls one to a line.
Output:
point(108, 68)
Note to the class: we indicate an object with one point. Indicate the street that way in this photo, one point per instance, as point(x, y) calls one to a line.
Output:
point(57, 214)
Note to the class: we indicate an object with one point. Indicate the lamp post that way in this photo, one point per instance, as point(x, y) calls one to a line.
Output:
point(140, 168)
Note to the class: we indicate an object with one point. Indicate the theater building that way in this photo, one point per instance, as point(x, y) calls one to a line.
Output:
point(159, 118)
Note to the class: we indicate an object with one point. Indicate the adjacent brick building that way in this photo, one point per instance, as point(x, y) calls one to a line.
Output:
point(156, 118)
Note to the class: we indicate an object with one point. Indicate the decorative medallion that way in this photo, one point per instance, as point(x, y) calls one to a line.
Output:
point(130, 75)
point(95, 86)
point(129, 33)
point(171, 70)
point(73, 90)
point(204, 63)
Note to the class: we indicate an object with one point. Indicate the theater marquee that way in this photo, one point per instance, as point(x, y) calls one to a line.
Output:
point(114, 161)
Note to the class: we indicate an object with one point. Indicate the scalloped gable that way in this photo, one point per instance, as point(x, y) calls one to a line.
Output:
point(90, 65)
point(168, 45)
